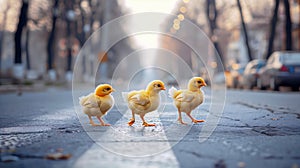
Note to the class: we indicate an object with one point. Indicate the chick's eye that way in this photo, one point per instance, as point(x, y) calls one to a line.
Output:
point(199, 82)
point(108, 89)
point(158, 85)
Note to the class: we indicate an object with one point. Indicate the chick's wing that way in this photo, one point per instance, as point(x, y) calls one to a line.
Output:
point(104, 105)
point(92, 102)
point(185, 96)
point(140, 99)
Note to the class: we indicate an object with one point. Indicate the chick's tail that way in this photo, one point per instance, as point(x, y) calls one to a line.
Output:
point(82, 100)
point(172, 92)
point(125, 96)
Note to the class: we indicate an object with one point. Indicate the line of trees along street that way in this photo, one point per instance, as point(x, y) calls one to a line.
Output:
point(218, 19)
point(64, 22)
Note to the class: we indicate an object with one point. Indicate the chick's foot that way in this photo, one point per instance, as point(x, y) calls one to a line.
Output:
point(181, 122)
point(145, 124)
point(93, 124)
point(131, 122)
point(105, 124)
point(198, 121)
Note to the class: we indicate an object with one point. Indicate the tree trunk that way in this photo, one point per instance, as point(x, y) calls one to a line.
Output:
point(3, 31)
point(92, 18)
point(69, 46)
point(288, 26)
point(18, 35)
point(211, 15)
point(272, 29)
point(245, 33)
point(2, 34)
point(69, 20)
point(81, 35)
point(28, 67)
point(50, 47)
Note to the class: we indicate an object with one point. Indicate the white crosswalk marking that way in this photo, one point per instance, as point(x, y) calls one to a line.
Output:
point(124, 146)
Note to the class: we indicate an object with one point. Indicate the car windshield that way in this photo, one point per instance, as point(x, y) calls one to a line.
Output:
point(290, 58)
point(260, 65)
point(256, 66)
point(241, 70)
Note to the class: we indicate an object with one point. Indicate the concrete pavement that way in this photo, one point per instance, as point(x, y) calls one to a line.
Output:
point(257, 129)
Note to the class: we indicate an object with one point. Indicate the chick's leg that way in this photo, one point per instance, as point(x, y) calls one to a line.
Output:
point(180, 118)
point(102, 122)
point(132, 120)
point(145, 124)
point(92, 122)
point(193, 119)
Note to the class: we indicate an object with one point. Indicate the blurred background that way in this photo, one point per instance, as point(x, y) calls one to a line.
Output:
point(258, 41)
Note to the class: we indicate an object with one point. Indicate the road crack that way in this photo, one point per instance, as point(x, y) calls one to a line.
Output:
point(199, 155)
point(280, 110)
point(27, 156)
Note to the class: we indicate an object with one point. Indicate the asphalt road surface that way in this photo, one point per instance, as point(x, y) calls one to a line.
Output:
point(256, 129)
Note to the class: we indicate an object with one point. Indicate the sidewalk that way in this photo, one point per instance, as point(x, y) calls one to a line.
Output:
point(31, 86)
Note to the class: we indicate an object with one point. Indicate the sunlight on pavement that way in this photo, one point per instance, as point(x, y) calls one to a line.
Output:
point(124, 146)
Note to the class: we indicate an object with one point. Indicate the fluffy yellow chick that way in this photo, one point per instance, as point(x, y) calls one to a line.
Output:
point(144, 101)
point(188, 100)
point(98, 103)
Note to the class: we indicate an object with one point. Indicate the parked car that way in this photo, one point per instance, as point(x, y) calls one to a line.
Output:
point(233, 75)
point(250, 75)
point(282, 69)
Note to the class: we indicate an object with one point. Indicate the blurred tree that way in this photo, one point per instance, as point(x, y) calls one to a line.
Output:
point(80, 23)
point(88, 9)
point(81, 29)
point(288, 26)
point(272, 29)
point(212, 15)
point(244, 32)
point(93, 6)
point(28, 67)
point(70, 17)
point(50, 46)
point(81, 26)
point(3, 30)
point(18, 35)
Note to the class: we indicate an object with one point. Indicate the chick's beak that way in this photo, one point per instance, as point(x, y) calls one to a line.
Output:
point(204, 84)
point(163, 88)
point(113, 90)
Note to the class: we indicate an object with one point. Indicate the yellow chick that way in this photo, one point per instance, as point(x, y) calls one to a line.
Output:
point(98, 103)
point(144, 101)
point(188, 100)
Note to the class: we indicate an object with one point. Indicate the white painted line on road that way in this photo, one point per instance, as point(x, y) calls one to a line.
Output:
point(124, 146)
point(96, 156)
